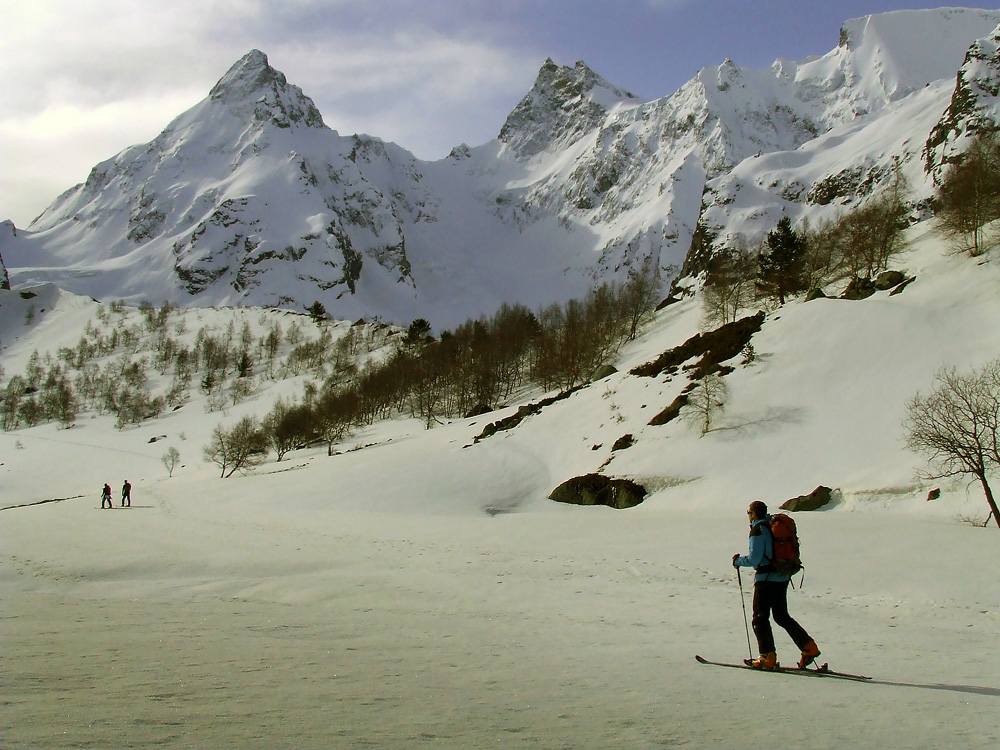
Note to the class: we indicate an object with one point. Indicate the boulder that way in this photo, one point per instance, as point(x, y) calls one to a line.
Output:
point(815, 294)
point(813, 501)
point(859, 289)
point(478, 410)
point(596, 489)
point(898, 289)
point(625, 441)
point(888, 279)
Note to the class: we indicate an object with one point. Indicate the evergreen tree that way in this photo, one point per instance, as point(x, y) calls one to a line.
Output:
point(317, 312)
point(781, 269)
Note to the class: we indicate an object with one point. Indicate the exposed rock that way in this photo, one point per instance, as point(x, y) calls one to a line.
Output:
point(564, 104)
point(625, 441)
point(977, 86)
point(888, 279)
point(523, 411)
point(478, 410)
point(252, 86)
point(667, 301)
point(596, 489)
point(815, 500)
point(934, 494)
point(671, 412)
point(859, 289)
point(815, 294)
point(713, 347)
point(835, 186)
point(900, 287)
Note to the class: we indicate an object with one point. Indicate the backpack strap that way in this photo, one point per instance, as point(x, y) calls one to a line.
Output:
point(758, 529)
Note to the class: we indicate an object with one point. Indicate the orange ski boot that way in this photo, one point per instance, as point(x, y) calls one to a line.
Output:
point(765, 661)
point(809, 653)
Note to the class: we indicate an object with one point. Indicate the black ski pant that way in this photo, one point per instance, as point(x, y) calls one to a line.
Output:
point(771, 598)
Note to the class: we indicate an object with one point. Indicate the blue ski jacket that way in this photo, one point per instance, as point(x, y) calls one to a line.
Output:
point(761, 552)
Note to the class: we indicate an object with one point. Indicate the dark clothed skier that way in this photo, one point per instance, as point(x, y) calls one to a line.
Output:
point(770, 592)
point(126, 495)
point(106, 496)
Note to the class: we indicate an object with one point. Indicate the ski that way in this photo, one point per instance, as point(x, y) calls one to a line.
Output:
point(821, 671)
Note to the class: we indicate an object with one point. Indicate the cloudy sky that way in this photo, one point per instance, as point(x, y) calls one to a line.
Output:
point(84, 79)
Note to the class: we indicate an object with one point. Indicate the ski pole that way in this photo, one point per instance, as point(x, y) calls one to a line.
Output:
point(739, 577)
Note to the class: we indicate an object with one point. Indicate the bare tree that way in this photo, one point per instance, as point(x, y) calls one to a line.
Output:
point(873, 231)
point(638, 296)
point(170, 460)
point(13, 396)
point(957, 426)
point(333, 415)
point(288, 426)
point(705, 401)
point(238, 449)
point(427, 381)
point(270, 344)
point(729, 284)
point(824, 254)
point(970, 195)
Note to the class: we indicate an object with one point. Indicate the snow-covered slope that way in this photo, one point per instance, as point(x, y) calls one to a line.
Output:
point(419, 584)
point(248, 198)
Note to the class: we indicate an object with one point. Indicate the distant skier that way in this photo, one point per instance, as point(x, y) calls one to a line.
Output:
point(126, 495)
point(770, 591)
point(106, 496)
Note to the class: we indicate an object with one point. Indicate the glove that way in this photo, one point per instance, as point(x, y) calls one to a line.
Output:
point(735, 558)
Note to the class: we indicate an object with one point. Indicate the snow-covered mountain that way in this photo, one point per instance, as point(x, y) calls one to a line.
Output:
point(249, 198)
point(419, 586)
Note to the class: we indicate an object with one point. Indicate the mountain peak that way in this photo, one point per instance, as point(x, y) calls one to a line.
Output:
point(563, 104)
point(252, 86)
point(250, 73)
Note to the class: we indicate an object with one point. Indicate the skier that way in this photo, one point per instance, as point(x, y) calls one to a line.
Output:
point(126, 495)
point(770, 591)
point(106, 496)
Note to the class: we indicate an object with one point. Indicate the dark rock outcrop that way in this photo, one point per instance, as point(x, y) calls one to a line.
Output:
point(524, 411)
point(596, 489)
point(888, 279)
point(815, 500)
point(901, 286)
point(671, 412)
point(815, 294)
point(713, 347)
point(859, 289)
point(624, 442)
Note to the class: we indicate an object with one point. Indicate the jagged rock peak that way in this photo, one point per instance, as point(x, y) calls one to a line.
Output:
point(563, 104)
point(975, 105)
point(253, 85)
point(571, 82)
point(250, 72)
